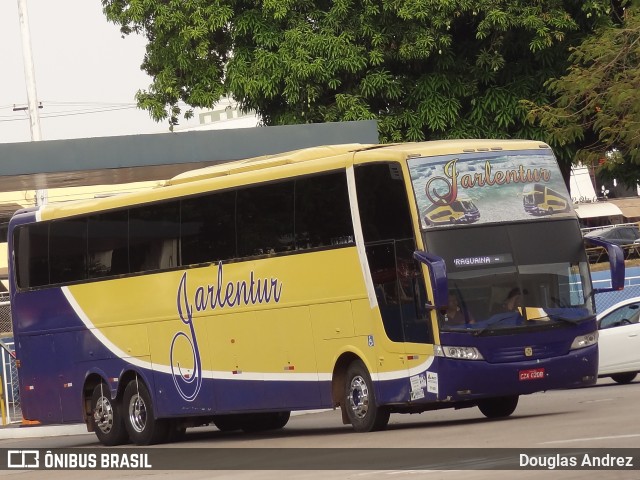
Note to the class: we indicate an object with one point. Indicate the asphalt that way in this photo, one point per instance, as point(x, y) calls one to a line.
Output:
point(17, 430)
point(36, 431)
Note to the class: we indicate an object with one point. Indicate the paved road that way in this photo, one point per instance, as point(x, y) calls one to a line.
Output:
point(604, 416)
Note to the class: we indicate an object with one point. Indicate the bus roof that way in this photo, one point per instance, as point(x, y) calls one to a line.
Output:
point(444, 147)
point(437, 147)
point(266, 161)
point(361, 152)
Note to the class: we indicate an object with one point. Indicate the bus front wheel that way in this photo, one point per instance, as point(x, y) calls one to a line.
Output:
point(360, 402)
point(498, 407)
point(143, 427)
point(107, 418)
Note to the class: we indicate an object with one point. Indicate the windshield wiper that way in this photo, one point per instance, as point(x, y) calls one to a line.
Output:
point(572, 320)
point(575, 314)
point(501, 318)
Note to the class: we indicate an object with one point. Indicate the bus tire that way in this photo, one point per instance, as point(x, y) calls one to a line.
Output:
point(260, 422)
point(624, 378)
point(498, 407)
point(228, 423)
point(107, 418)
point(279, 420)
point(143, 427)
point(176, 431)
point(360, 400)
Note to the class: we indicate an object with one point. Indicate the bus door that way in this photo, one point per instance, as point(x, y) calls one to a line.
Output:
point(389, 245)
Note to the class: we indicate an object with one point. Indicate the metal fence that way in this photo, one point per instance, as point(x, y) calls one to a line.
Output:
point(6, 327)
point(8, 370)
point(10, 387)
point(631, 289)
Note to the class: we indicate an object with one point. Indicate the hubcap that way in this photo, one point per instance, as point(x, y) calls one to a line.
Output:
point(359, 397)
point(103, 414)
point(137, 413)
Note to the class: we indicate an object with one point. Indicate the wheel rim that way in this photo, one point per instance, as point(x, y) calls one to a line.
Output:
point(137, 413)
point(103, 414)
point(359, 397)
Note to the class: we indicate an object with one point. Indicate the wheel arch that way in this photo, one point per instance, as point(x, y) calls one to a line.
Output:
point(92, 380)
point(131, 374)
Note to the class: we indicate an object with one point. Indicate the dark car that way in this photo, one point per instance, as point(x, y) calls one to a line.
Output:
point(618, 234)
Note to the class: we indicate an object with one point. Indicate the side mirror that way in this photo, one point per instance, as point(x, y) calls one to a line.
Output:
point(616, 265)
point(438, 276)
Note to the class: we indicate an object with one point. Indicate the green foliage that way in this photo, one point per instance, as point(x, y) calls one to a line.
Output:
point(597, 108)
point(425, 69)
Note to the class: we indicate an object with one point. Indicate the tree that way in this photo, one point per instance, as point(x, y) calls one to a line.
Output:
point(597, 108)
point(425, 69)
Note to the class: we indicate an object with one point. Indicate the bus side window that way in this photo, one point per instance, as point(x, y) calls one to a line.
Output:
point(107, 244)
point(265, 219)
point(119, 261)
point(150, 227)
point(208, 228)
point(68, 250)
point(323, 215)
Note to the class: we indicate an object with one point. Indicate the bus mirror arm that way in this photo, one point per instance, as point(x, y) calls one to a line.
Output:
point(438, 276)
point(616, 265)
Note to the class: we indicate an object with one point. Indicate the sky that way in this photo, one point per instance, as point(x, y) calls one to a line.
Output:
point(86, 74)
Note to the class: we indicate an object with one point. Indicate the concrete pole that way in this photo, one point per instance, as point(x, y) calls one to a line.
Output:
point(30, 79)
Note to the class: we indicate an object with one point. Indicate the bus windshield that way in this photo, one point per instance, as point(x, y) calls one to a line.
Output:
point(500, 278)
point(488, 187)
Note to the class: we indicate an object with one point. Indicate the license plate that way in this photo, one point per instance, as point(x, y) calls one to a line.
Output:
point(533, 374)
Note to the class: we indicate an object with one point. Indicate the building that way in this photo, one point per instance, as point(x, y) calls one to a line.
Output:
point(608, 205)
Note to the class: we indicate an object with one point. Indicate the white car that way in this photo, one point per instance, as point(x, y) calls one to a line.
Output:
point(619, 341)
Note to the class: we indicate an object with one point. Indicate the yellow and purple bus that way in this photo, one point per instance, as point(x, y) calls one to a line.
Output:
point(238, 293)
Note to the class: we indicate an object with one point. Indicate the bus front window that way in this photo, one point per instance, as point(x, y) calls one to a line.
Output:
point(499, 277)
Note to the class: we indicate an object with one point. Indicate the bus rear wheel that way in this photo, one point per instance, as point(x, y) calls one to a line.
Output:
point(107, 418)
point(498, 407)
point(143, 427)
point(360, 400)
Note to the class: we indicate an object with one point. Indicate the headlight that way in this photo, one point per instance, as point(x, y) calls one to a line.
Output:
point(462, 353)
point(585, 340)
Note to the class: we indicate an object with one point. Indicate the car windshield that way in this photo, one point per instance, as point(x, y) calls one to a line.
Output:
point(624, 315)
point(506, 276)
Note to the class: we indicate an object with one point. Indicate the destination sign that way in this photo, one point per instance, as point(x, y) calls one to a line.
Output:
point(483, 260)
